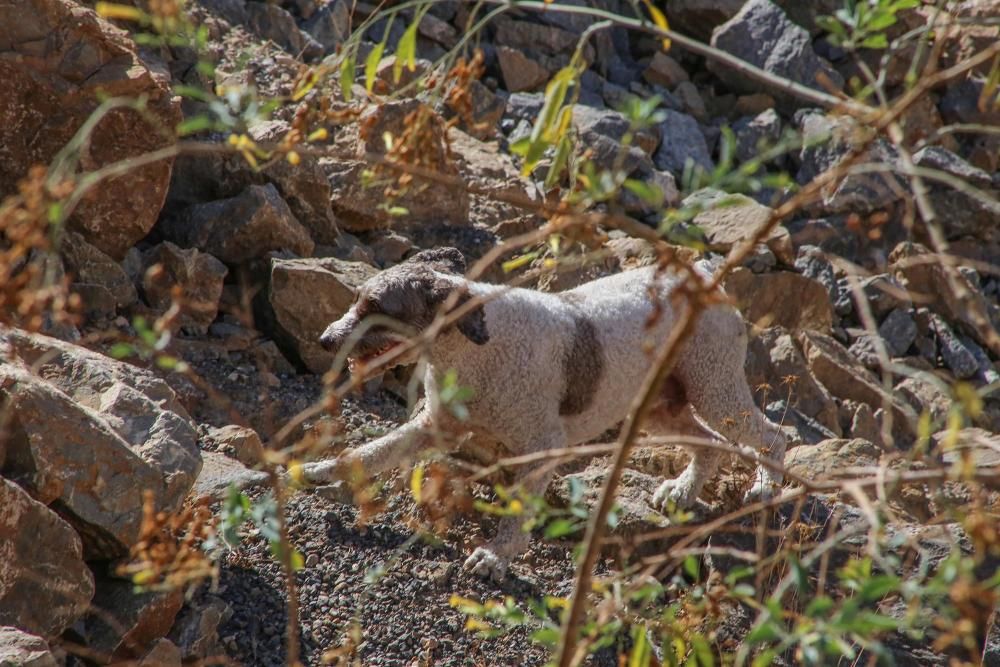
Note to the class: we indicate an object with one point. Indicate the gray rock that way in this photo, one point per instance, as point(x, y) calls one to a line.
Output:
point(843, 305)
point(987, 372)
point(699, 17)
point(242, 228)
point(124, 624)
point(590, 122)
point(808, 429)
point(274, 23)
point(760, 259)
point(664, 71)
point(20, 649)
point(220, 472)
point(524, 106)
point(756, 133)
point(763, 35)
point(865, 349)
point(826, 141)
point(899, 330)
point(691, 100)
point(330, 26)
point(520, 71)
point(197, 275)
point(812, 263)
point(883, 294)
point(94, 434)
point(681, 141)
point(960, 213)
point(196, 632)
point(958, 358)
point(44, 584)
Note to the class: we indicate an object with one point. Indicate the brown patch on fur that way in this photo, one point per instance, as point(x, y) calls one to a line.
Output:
point(583, 365)
point(674, 395)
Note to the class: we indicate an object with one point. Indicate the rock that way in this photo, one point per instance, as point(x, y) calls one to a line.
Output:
point(197, 275)
point(390, 248)
point(196, 632)
point(220, 472)
point(806, 429)
point(531, 35)
point(753, 104)
point(883, 293)
point(776, 369)
point(863, 423)
point(330, 26)
point(633, 497)
point(761, 34)
point(845, 378)
point(958, 358)
point(93, 433)
point(438, 30)
point(240, 442)
point(20, 649)
point(691, 101)
point(812, 263)
point(761, 259)
point(767, 300)
point(899, 330)
point(124, 624)
point(57, 61)
point(831, 458)
point(699, 17)
point(681, 140)
point(664, 71)
point(200, 179)
point(827, 140)
point(484, 166)
point(924, 394)
point(163, 654)
point(302, 298)
point(980, 447)
point(86, 264)
point(274, 23)
point(865, 349)
point(44, 584)
point(756, 134)
point(591, 123)
point(959, 213)
point(239, 229)
point(520, 73)
point(728, 219)
point(925, 279)
point(99, 304)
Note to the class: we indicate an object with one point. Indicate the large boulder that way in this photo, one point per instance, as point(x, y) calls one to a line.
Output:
point(90, 434)
point(58, 60)
point(783, 298)
point(241, 228)
point(204, 178)
point(197, 275)
point(763, 35)
point(44, 584)
point(728, 219)
point(302, 298)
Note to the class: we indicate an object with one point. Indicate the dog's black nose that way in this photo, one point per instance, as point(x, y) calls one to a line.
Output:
point(328, 342)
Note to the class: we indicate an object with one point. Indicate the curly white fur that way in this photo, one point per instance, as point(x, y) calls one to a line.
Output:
point(560, 369)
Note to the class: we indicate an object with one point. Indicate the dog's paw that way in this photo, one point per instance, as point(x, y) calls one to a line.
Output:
point(676, 491)
point(486, 564)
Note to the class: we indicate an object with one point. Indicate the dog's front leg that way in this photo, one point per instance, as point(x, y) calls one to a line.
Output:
point(492, 561)
point(376, 456)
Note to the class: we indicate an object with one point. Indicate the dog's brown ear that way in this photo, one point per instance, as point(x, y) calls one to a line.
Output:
point(449, 260)
point(472, 325)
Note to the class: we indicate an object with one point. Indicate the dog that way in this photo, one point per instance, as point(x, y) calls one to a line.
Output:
point(551, 370)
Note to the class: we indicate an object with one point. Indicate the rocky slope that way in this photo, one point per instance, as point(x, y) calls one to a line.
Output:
point(261, 260)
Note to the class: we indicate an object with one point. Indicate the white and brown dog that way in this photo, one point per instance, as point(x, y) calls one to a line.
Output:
point(550, 370)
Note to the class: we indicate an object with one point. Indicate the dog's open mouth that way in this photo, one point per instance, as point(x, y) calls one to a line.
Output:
point(356, 362)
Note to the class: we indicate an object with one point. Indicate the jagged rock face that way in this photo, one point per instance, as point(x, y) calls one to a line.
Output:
point(88, 435)
point(44, 584)
point(56, 59)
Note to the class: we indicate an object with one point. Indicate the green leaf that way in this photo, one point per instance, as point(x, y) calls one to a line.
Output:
point(372, 61)
point(546, 636)
point(406, 50)
point(559, 161)
point(702, 652)
point(194, 124)
point(642, 653)
point(347, 66)
point(878, 587)
point(650, 194)
point(560, 528)
point(121, 350)
point(875, 42)
point(692, 567)
point(518, 262)
point(819, 606)
point(298, 561)
point(764, 633)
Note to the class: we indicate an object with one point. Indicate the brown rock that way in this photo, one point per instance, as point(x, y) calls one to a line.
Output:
point(303, 297)
point(846, 378)
point(196, 632)
point(274, 23)
point(197, 275)
point(93, 433)
point(20, 649)
point(86, 264)
point(784, 299)
point(925, 279)
point(163, 654)
point(664, 71)
point(733, 218)
point(44, 584)
point(774, 360)
point(57, 58)
point(831, 458)
point(220, 472)
point(520, 73)
point(753, 104)
point(124, 624)
point(483, 165)
point(241, 442)
point(242, 228)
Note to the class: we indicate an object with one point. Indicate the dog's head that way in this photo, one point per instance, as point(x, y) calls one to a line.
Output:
point(402, 301)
